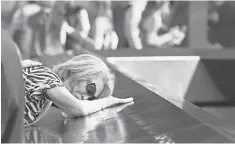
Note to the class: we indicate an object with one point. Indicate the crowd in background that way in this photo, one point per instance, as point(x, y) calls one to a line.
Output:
point(221, 23)
point(53, 27)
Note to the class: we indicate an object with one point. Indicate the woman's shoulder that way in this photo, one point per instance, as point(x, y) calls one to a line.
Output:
point(38, 76)
point(36, 68)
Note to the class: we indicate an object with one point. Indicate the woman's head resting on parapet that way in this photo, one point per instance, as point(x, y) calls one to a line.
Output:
point(86, 76)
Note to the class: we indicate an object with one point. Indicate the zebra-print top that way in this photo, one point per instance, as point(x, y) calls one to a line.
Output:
point(37, 79)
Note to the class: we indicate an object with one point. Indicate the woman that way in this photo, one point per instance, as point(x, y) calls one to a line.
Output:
point(28, 28)
point(132, 18)
point(156, 26)
point(222, 23)
point(81, 130)
point(102, 30)
point(76, 17)
point(79, 87)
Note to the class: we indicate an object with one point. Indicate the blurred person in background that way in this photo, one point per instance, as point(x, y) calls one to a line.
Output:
point(221, 23)
point(149, 24)
point(74, 32)
point(59, 29)
point(157, 26)
point(102, 30)
point(180, 18)
point(132, 19)
point(37, 27)
point(213, 18)
point(54, 27)
point(8, 9)
point(76, 17)
point(119, 9)
point(28, 27)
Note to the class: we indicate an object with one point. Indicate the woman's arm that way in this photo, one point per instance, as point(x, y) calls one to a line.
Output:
point(74, 107)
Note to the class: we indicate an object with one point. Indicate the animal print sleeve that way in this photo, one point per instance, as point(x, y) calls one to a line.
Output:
point(38, 79)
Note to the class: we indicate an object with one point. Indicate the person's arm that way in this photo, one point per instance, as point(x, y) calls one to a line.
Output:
point(80, 37)
point(132, 20)
point(153, 24)
point(100, 25)
point(84, 21)
point(158, 41)
point(173, 37)
point(114, 40)
point(74, 107)
point(179, 34)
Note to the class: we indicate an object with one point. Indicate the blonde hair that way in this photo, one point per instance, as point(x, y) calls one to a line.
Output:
point(85, 67)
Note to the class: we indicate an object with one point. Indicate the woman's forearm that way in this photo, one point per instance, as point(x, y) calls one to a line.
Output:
point(74, 107)
point(65, 101)
point(99, 104)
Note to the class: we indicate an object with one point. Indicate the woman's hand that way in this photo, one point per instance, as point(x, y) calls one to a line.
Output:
point(74, 107)
point(112, 101)
point(100, 104)
point(108, 102)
